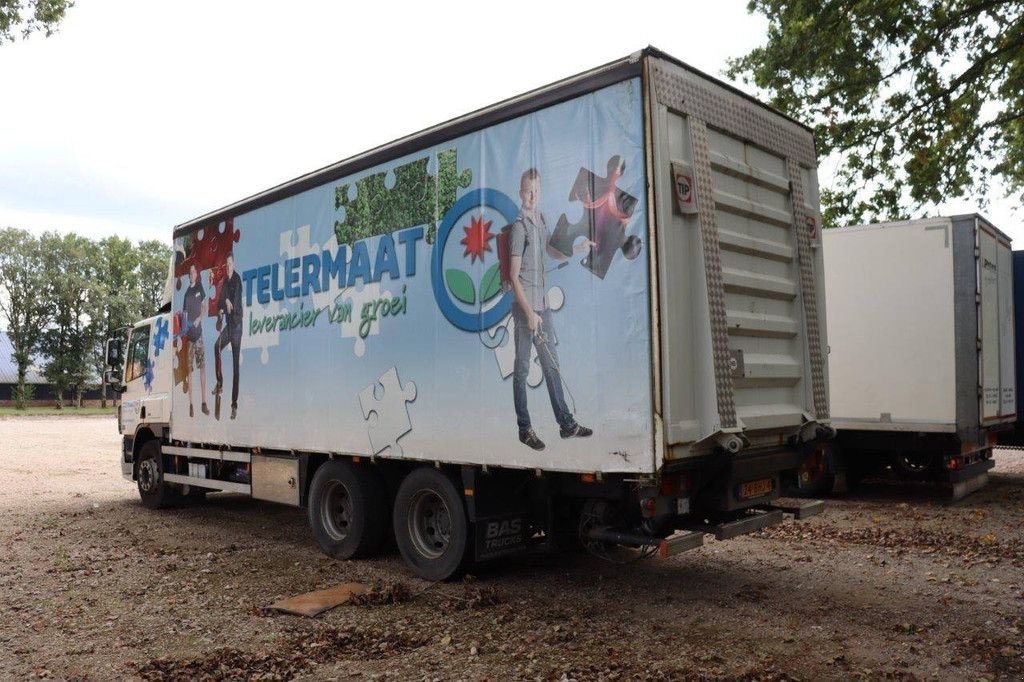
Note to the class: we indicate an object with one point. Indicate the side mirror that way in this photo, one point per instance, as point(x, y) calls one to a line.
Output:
point(114, 352)
point(113, 379)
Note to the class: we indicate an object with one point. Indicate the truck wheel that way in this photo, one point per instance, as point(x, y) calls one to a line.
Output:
point(347, 510)
point(149, 477)
point(431, 529)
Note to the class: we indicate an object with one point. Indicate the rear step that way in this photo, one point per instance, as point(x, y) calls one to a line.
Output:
point(692, 536)
point(748, 524)
point(800, 509)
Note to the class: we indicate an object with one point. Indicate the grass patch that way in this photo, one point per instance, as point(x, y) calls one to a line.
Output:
point(110, 410)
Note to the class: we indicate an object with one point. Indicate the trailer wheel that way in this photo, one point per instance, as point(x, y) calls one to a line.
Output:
point(431, 529)
point(155, 493)
point(347, 510)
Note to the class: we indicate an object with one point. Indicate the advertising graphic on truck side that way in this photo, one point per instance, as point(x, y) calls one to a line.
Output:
point(377, 301)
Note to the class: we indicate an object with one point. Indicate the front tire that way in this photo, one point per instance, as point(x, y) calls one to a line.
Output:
point(149, 477)
point(348, 510)
point(431, 528)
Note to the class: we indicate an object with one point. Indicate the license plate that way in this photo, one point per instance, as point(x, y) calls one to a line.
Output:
point(755, 488)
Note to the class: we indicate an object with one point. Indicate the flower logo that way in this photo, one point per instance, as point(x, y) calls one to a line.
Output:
point(468, 303)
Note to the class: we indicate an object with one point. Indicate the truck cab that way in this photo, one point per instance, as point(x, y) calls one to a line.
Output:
point(144, 381)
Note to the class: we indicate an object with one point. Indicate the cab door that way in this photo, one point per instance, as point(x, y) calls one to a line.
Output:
point(138, 376)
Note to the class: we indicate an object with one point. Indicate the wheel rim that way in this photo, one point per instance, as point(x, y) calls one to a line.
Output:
point(148, 475)
point(336, 510)
point(430, 524)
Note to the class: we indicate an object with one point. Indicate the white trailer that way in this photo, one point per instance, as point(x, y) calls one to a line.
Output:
point(921, 358)
point(423, 353)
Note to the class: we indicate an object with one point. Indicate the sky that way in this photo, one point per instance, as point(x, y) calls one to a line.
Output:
point(137, 116)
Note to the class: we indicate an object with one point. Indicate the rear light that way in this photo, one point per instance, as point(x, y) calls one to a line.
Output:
point(673, 485)
point(953, 464)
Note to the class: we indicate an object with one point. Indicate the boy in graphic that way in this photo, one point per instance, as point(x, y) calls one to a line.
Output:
point(229, 305)
point(528, 244)
point(194, 297)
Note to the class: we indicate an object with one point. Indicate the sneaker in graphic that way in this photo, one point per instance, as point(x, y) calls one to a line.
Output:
point(529, 438)
point(575, 431)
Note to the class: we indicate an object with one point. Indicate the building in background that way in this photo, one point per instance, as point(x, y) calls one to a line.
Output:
point(43, 393)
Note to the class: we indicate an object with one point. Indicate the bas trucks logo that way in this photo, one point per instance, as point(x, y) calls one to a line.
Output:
point(497, 529)
point(497, 536)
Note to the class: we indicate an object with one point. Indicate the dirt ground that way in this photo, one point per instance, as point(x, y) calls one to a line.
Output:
point(889, 584)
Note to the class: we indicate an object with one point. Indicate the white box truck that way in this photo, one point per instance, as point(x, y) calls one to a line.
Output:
point(921, 358)
point(591, 310)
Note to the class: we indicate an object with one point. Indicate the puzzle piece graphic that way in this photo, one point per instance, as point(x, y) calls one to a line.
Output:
point(501, 338)
point(296, 244)
point(208, 250)
point(607, 210)
point(180, 360)
point(387, 417)
point(403, 197)
point(147, 381)
point(356, 295)
point(160, 337)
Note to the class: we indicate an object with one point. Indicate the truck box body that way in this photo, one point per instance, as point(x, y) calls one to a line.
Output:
point(921, 329)
point(314, 345)
point(682, 295)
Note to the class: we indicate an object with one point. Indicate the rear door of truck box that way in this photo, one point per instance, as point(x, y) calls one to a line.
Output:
point(891, 317)
point(742, 309)
point(995, 325)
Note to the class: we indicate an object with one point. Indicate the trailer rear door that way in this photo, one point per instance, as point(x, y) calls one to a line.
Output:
point(995, 325)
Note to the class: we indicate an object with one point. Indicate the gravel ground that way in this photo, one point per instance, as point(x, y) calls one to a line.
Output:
point(889, 584)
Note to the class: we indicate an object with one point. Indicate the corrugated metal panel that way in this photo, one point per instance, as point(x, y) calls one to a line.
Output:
point(761, 278)
point(9, 369)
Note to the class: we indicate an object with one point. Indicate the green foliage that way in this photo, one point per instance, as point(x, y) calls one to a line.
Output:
point(154, 266)
point(65, 295)
point(416, 198)
point(23, 303)
point(28, 16)
point(74, 293)
point(921, 101)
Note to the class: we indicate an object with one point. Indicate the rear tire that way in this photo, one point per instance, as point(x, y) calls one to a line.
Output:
point(348, 510)
point(431, 528)
point(149, 477)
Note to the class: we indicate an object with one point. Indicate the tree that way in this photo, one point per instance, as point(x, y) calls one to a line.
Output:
point(921, 101)
point(154, 264)
point(25, 306)
point(73, 293)
point(28, 16)
point(119, 299)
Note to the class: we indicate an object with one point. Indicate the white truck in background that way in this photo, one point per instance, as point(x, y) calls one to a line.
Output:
point(594, 310)
point(921, 362)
